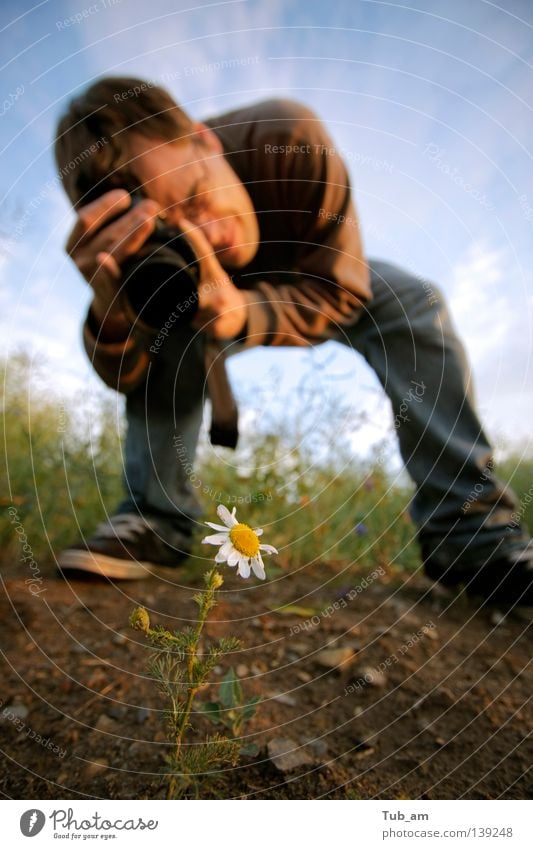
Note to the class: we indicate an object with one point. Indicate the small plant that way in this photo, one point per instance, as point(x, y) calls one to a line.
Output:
point(181, 670)
point(230, 711)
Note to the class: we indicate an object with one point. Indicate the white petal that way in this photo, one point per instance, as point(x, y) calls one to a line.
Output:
point(258, 531)
point(216, 539)
point(227, 517)
point(269, 549)
point(224, 551)
point(258, 567)
point(234, 557)
point(244, 567)
point(217, 527)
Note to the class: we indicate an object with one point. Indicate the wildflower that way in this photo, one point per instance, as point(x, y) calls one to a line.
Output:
point(239, 544)
point(140, 620)
point(361, 529)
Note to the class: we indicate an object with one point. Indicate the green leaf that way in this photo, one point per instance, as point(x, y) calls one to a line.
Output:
point(249, 709)
point(296, 610)
point(230, 692)
point(212, 711)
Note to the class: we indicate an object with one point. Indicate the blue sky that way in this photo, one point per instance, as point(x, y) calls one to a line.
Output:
point(431, 103)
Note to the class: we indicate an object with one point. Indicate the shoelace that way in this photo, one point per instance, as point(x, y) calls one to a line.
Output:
point(124, 526)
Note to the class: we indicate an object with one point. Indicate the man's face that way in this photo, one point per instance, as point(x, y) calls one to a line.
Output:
point(194, 180)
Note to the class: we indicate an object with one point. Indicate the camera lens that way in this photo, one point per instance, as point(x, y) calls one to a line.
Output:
point(162, 279)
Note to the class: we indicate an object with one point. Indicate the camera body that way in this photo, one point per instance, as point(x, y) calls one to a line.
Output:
point(161, 279)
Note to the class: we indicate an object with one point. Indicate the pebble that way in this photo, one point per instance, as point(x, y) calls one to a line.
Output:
point(119, 639)
point(287, 755)
point(258, 667)
point(142, 714)
point(333, 658)
point(117, 711)
point(106, 724)
point(137, 748)
point(300, 648)
point(319, 748)
point(11, 712)
point(96, 768)
point(303, 676)
point(218, 670)
point(373, 677)
point(497, 618)
point(242, 670)
point(283, 699)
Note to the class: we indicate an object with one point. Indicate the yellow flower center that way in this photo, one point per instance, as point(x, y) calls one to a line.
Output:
point(244, 539)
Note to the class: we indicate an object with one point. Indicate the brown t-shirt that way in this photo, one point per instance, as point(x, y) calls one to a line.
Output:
point(308, 277)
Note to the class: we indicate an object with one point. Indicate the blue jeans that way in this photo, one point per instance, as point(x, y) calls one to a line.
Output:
point(407, 337)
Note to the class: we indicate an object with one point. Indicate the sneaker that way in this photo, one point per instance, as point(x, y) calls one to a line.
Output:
point(505, 576)
point(127, 547)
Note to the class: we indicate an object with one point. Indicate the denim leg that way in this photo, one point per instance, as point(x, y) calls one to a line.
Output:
point(164, 415)
point(408, 338)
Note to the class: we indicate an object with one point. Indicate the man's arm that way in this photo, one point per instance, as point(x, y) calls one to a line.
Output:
point(328, 283)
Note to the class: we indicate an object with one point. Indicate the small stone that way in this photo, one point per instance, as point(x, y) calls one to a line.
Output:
point(62, 778)
point(440, 741)
point(137, 748)
point(218, 670)
point(288, 755)
point(300, 648)
point(334, 658)
point(303, 676)
point(106, 724)
point(242, 670)
point(283, 699)
point(497, 618)
point(117, 711)
point(258, 667)
point(11, 712)
point(431, 633)
point(358, 710)
point(142, 714)
point(363, 751)
point(373, 677)
point(119, 639)
point(423, 723)
point(96, 768)
point(319, 748)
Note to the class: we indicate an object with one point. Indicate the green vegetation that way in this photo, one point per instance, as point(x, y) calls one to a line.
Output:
point(181, 670)
point(63, 466)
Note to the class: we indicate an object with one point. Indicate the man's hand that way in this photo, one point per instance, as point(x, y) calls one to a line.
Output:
point(221, 306)
point(98, 253)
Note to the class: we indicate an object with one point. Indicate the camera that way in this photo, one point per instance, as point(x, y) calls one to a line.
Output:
point(162, 278)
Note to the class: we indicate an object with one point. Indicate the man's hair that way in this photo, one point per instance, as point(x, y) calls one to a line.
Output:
point(91, 145)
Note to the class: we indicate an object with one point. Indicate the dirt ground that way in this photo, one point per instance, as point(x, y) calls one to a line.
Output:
point(425, 698)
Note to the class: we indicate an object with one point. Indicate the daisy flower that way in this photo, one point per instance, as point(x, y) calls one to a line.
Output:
point(239, 544)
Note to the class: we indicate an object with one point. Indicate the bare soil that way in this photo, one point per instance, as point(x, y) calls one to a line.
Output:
point(446, 716)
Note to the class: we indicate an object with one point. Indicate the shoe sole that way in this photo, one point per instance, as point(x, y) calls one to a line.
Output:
point(102, 564)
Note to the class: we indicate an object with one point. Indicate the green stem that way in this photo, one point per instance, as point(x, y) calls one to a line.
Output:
point(192, 687)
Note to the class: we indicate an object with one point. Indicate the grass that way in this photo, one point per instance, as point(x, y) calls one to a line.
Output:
point(63, 474)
